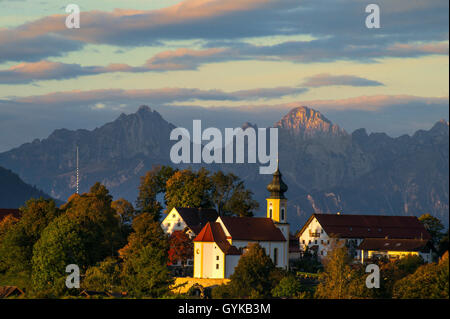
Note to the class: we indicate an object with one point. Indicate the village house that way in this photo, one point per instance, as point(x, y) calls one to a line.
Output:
point(189, 220)
point(220, 244)
point(366, 236)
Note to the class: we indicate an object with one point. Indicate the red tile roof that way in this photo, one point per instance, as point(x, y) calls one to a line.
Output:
point(213, 232)
point(381, 244)
point(6, 211)
point(252, 229)
point(370, 226)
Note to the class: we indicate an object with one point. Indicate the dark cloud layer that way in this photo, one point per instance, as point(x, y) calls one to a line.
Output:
point(339, 26)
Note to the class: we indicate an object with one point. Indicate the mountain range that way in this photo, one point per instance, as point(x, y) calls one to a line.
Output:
point(327, 169)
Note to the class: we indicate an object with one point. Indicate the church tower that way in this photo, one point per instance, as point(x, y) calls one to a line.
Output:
point(276, 210)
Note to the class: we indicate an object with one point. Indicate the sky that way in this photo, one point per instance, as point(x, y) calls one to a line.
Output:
point(223, 61)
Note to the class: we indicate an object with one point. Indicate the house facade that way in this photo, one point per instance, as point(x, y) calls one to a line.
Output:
point(220, 244)
point(366, 236)
point(189, 220)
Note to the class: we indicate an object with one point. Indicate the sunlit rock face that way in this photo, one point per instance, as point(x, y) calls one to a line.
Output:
point(304, 122)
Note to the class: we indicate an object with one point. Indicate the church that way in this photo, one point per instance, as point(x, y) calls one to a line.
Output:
point(220, 244)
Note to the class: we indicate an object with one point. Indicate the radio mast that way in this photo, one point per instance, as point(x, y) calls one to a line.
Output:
point(77, 171)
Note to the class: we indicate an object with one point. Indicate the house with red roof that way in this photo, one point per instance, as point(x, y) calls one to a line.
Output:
point(366, 236)
point(220, 244)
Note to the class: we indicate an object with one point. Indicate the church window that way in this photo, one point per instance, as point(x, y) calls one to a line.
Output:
point(275, 256)
point(217, 266)
point(270, 213)
point(282, 214)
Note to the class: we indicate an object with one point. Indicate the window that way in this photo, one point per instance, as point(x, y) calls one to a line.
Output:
point(275, 256)
point(173, 215)
point(178, 224)
point(315, 242)
point(309, 242)
point(270, 213)
point(303, 241)
point(217, 266)
point(321, 231)
point(282, 214)
point(168, 224)
point(217, 257)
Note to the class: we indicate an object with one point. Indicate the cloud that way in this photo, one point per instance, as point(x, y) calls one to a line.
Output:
point(338, 80)
point(161, 96)
point(339, 29)
point(170, 60)
point(190, 59)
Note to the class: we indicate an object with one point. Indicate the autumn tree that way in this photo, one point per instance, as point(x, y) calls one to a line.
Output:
point(181, 247)
point(430, 281)
point(335, 279)
point(124, 210)
point(95, 213)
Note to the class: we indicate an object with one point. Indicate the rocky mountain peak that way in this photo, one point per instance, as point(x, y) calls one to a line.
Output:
point(305, 122)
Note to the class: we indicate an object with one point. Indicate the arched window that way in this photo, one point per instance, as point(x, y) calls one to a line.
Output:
point(270, 212)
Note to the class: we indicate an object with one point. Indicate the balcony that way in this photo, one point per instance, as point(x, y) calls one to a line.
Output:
point(314, 234)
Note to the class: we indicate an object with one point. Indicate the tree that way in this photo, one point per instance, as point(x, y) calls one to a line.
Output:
point(152, 184)
point(6, 224)
point(181, 247)
point(289, 287)
point(145, 271)
point(94, 212)
point(430, 281)
point(87, 233)
point(16, 246)
point(230, 196)
point(62, 243)
point(105, 276)
point(252, 277)
point(124, 209)
point(443, 244)
point(189, 189)
point(335, 279)
point(434, 226)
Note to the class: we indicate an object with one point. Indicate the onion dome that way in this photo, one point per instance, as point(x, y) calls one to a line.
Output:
point(277, 187)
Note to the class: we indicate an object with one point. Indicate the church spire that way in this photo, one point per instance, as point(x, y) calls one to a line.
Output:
point(277, 187)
